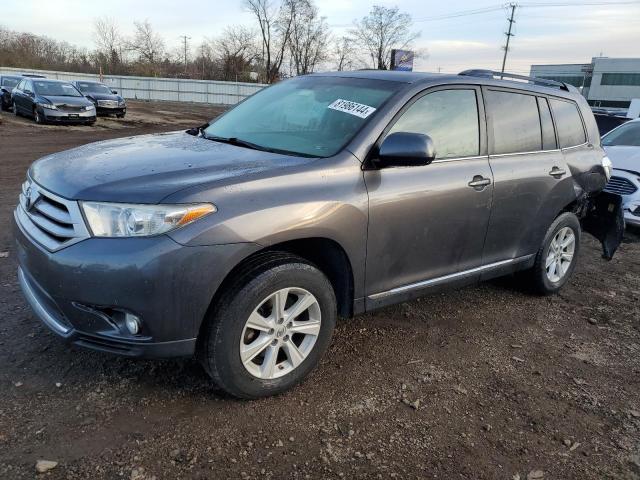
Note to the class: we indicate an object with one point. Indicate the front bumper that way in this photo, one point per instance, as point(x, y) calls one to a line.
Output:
point(631, 219)
point(75, 291)
point(60, 116)
point(102, 110)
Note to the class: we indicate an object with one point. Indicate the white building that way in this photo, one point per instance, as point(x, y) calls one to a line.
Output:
point(605, 82)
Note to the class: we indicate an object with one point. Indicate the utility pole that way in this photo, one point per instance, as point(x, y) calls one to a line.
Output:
point(509, 35)
point(185, 39)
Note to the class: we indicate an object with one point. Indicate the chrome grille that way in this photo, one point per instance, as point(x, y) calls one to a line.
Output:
point(71, 108)
point(107, 103)
point(52, 221)
point(621, 186)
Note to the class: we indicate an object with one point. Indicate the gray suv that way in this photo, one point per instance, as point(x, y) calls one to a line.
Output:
point(325, 195)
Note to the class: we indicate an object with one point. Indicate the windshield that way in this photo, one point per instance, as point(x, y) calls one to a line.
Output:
point(56, 89)
point(312, 116)
point(85, 87)
point(628, 134)
point(10, 82)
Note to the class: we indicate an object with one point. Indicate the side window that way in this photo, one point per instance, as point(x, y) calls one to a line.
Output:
point(21, 85)
point(515, 122)
point(568, 122)
point(548, 132)
point(449, 117)
point(28, 86)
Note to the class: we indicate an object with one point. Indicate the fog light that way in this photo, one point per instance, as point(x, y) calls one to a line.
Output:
point(132, 322)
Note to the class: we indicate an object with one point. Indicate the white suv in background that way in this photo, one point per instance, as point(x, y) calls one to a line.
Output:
point(622, 145)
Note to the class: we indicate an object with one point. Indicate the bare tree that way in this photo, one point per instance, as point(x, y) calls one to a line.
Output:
point(147, 43)
point(237, 48)
point(309, 37)
point(344, 53)
point(274, 21)
point(108, 41)
point(380, 31)
point(106, 35)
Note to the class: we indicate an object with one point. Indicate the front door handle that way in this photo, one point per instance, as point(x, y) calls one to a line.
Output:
point(479, 182)
point(557, 172)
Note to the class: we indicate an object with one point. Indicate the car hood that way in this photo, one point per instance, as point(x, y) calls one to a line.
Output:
point(79, 101)
point(624, 157)
point(104, 96)
point(148, 168)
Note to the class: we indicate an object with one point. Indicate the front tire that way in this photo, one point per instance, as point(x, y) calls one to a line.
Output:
point(38, 117)
point(269, 328)
point(557, 257)
point(15, 109)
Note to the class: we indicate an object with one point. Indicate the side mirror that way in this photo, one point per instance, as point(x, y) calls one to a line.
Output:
point(115, 92)
point(403, 149)
point(29, 92)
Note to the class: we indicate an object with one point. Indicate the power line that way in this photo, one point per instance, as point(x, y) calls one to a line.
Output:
point(495, 8)
point(577, 4)
point(461, 13)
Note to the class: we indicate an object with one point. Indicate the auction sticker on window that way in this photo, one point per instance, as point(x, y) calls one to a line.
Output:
point(352, 108)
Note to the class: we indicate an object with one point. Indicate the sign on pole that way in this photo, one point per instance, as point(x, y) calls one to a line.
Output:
point(402, 60)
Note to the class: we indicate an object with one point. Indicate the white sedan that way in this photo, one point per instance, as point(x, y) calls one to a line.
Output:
point(622, 145)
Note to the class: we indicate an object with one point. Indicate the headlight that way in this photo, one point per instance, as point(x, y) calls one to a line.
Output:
point(89, 107)
point(127, 220)
point(50, 106)
point(608, 167)
point(121, 103)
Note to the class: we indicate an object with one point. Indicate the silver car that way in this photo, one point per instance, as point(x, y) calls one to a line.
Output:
point(622, 145)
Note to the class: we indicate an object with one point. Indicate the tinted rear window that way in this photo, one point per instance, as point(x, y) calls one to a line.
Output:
point(568, 123)
point(515, 122)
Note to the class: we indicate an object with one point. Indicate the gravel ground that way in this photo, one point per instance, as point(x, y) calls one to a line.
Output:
point(486, 382)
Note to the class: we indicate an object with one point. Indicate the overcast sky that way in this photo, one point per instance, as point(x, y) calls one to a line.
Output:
point(542, 34)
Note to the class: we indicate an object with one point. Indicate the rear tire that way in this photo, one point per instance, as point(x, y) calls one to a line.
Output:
point(556, 259)
point(273, 290)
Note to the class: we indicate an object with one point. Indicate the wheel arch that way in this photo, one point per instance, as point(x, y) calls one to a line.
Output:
point(326, 254)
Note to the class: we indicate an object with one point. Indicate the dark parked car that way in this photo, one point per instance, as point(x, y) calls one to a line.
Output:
point(106, 101)
point(7, 84)
point(607, 122)
point(325, 195)
point(52, 101)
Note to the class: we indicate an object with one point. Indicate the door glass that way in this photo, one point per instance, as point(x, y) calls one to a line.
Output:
point(449, 117)
point(548, 132)
point(569, 123)
point(515, 122)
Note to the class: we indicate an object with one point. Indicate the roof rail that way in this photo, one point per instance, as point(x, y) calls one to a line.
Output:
point(510, 76)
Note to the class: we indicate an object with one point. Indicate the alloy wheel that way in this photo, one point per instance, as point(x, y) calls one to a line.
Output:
point(560, 255)
point(280, 333)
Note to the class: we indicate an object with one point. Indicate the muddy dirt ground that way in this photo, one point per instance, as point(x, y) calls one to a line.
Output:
point(487, 382)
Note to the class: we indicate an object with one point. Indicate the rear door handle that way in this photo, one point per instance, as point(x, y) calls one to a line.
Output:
point(479, 182)
point(557, 172)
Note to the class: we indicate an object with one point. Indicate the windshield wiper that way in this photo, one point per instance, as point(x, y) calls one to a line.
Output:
point(239, 143)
